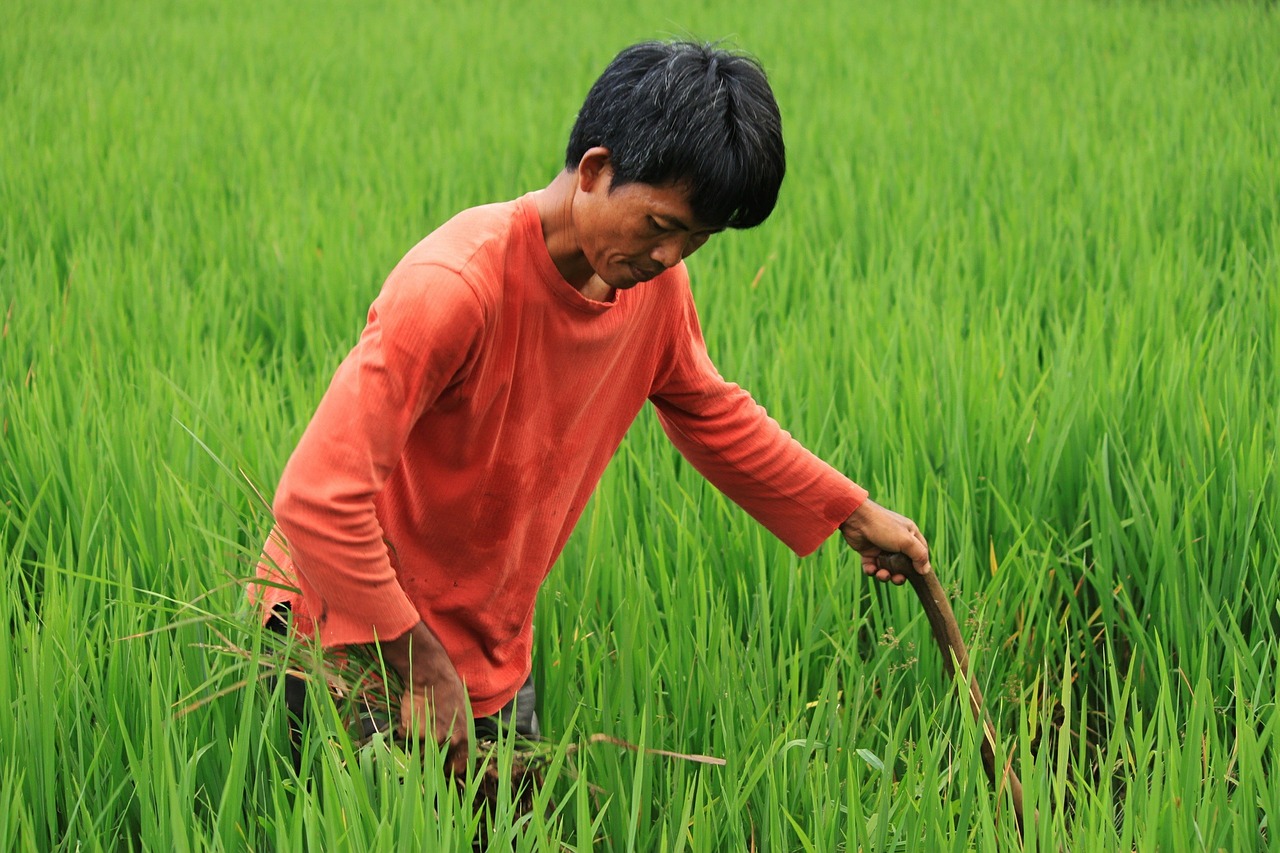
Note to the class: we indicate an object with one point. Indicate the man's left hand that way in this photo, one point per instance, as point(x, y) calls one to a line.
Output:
point(877, 534)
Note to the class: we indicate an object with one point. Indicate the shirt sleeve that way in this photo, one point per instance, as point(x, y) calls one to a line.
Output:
point(421, 336)
point(731, 440)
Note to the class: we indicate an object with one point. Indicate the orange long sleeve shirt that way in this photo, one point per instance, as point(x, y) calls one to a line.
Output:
point(460, 439)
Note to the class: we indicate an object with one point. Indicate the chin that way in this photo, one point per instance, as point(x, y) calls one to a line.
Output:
point(620, 279)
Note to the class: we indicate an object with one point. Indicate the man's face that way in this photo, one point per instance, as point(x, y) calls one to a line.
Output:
point(634, 232)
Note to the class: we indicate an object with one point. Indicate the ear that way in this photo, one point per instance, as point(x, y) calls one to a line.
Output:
point(594, 169)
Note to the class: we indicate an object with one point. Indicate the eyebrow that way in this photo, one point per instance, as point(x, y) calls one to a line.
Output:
point(679, 223)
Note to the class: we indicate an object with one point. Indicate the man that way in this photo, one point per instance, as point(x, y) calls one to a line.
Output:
point(502, 363)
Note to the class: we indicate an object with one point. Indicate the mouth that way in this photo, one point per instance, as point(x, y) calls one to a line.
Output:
point(643, 274)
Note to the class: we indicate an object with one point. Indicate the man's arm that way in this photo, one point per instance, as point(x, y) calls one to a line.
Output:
point(730, 439)
point(421, 333)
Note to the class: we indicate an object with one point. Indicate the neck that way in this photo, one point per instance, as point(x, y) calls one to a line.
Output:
point(555, 210)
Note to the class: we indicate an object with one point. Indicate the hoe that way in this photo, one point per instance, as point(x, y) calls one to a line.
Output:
point(955, 657)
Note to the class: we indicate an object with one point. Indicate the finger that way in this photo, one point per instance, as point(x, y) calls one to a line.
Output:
point(914, 547)
point(917, 551)
point(888, 576)
point(920, 538)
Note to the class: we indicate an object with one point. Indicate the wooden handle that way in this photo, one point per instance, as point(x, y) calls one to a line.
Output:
point(954, 654)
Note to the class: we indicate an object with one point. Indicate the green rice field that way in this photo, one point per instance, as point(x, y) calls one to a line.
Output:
point(1023, 283)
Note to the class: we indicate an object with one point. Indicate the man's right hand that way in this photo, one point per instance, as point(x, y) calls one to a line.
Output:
point(434, 699)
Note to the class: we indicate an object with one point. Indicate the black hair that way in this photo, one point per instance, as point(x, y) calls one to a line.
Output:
point(688, 113)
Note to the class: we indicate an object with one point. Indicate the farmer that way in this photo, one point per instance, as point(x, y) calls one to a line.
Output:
point(503, 361)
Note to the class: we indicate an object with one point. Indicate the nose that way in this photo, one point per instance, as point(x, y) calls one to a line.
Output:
point(669, 252)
